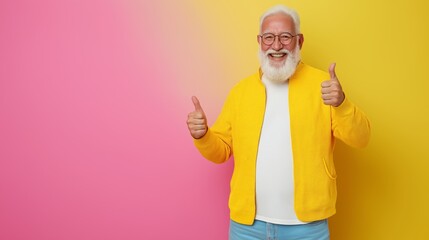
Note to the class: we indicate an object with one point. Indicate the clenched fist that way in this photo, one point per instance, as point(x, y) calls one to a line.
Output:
point(332, 93)
point(197, 121)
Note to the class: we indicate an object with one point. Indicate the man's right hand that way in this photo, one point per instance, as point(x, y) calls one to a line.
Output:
point(197, 121)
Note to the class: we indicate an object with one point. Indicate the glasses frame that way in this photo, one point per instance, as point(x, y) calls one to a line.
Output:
point(278, 36)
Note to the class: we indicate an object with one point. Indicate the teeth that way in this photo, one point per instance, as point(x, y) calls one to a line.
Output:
point(277, 55)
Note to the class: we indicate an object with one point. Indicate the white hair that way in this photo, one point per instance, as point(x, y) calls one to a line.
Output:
point(284, 10)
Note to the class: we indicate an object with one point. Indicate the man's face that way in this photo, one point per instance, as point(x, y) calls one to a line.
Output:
point(277, 24)
point(279, 61)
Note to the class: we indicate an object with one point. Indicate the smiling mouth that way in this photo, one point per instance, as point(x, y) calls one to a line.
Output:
point(277, 55)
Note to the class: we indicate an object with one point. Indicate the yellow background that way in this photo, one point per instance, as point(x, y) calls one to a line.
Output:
point(380, 48)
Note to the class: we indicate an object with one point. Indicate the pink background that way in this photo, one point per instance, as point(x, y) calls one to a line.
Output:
point(93, 142)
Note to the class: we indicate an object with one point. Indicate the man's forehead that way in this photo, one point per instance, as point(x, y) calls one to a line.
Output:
point(278, 21)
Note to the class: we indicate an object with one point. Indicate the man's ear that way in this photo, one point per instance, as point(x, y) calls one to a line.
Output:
point(301, 40)
point(258, 39)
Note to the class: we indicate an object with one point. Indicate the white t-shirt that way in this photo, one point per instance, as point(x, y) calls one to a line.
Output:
point(274, 167)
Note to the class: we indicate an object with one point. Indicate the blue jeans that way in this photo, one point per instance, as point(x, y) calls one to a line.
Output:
point(261, 230)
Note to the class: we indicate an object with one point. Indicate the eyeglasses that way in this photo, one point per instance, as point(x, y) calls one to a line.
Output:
point(284, 38)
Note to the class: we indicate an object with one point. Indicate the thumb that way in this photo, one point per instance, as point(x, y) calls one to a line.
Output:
point(197, 104)
point(332, 71)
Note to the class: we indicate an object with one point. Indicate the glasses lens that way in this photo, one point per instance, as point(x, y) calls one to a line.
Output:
point(268, 38)
point(285, 38)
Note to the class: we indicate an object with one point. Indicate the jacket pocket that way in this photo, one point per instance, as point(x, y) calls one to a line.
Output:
point(330, 171)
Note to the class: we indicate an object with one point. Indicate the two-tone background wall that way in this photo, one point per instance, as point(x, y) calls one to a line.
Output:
point(94, 96)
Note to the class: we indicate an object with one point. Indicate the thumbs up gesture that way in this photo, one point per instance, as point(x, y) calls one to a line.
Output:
point(197, 121)
point(332, 93)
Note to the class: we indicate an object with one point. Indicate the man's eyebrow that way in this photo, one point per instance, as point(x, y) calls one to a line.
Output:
point(277, 34)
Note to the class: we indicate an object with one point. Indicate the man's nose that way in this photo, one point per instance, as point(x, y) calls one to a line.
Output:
point(277, 45)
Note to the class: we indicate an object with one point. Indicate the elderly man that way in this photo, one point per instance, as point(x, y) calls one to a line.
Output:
point(281, 124)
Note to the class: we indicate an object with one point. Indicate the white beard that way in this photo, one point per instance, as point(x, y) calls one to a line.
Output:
point(279, 74)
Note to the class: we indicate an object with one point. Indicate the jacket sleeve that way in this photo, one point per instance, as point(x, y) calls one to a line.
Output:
point(216, 144)
point(350, 124)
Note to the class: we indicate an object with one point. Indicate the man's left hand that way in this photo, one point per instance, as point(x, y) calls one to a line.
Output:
point(332, 93)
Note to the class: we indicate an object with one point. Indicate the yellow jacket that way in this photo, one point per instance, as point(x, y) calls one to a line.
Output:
point(314, 127)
